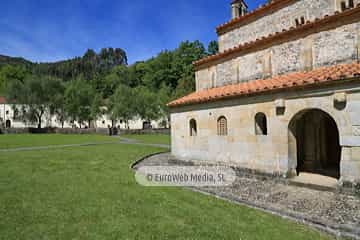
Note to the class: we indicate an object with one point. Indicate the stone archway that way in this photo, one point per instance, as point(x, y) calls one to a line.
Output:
point(314, 143)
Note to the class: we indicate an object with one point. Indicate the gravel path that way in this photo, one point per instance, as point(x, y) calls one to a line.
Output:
point(333, 212)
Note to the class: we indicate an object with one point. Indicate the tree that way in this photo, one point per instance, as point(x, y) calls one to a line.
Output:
point(90, 66)
point(121, 105)
point(79, 97)
point(164, 97)
point(95, 111)
point(118, 76)
point(34, 97)
point(57, 103)
point(213, 48)
point(10, 73)
point(168, 75)
point(185, 55)
point(136, 74)
point(159, 70)
point(146, 104)
point(186, 85)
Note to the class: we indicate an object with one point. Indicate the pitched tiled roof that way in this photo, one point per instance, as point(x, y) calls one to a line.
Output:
point(309, 27)
point(313, 78)
point(2, 100)
point(251, 16)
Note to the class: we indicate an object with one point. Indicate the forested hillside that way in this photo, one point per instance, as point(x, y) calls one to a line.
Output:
point(6, 60)
point(78, 88)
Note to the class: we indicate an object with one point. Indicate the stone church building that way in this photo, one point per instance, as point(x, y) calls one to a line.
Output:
point(282, 96)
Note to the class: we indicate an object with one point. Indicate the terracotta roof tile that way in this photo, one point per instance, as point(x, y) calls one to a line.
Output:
point(2, 100)
point(284, 82)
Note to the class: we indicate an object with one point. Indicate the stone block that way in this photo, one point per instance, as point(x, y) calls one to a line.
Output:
point(355, 117)
point(280, 103)
point(356, 130)
point(355, 152)
point(354, 105)
point(340, 97)
point(350, 141)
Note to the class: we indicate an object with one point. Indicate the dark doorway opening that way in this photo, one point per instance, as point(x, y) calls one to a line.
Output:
point(147, 125)
point(317, 143)
point(8, 124)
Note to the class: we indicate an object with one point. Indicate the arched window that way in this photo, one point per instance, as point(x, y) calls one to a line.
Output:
point(260, 124)
point(238, 74)
point(222, 126)
point(351, 3)
point(193, 128)
point(213, 80)
point(343, 6)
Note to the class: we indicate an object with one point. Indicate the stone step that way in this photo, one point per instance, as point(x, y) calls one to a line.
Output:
point(315, 181)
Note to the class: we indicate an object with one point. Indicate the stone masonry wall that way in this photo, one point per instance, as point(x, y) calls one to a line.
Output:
point(281, 19)
point(320, 49)
point(272, 153)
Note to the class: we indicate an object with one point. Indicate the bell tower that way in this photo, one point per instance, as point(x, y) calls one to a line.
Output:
point(238, 8)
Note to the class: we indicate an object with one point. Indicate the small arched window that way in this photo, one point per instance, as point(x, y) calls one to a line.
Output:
point(222, 126)
point(302, 19)
point(260, 124)
point(193, 128)
point(351, 3)
point(212, 80)
point(343, 6)
point(238, 74)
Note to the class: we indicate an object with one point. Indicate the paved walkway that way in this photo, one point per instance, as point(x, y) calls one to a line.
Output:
point(329, 211)
point(122, 140)
point(136, 142)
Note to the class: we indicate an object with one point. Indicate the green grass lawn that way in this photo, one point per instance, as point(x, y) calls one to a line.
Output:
point(147, 138)
point(90, 193)
point(34, 140)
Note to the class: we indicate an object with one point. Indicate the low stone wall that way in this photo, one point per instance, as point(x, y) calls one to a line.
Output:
point(101, 131)
point(145, 131)
point(19, 130)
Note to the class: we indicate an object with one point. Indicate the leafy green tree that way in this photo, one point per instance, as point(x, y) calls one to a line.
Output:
point(185, 55)
point(119, 75)
point(34, 97)
point(57, 102)
point(168, 75)
point(95, 111)
point(122, 104)
point(186, 85)
point(213, 47)
point(11, 73)
point(79, 97)
point(146, 104)
point(136, 74)
point(159, 70)
point(164, 97)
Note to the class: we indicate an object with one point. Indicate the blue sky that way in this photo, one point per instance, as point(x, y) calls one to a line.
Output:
point(51, 30)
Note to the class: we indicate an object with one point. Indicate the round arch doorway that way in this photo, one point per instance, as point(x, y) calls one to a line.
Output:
point(315, 138)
